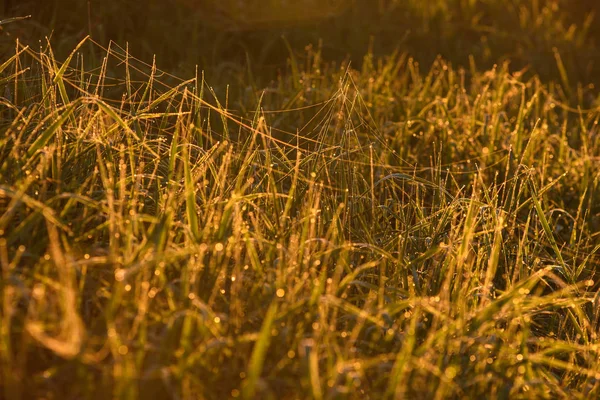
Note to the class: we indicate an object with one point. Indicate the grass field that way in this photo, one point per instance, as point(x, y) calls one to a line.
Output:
point(381, 224)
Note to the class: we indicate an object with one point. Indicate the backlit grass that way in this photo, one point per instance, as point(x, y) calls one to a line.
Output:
point(392, 230)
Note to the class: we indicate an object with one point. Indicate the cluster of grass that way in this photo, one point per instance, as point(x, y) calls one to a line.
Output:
point(388, 226)
point(345, 233)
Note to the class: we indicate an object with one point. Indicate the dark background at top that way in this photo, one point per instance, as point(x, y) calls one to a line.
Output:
point(183, 33)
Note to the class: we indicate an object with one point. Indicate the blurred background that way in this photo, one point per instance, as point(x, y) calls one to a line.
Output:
point(227, 37)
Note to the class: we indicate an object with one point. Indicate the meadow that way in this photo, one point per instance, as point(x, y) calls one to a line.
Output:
point(384, 199)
